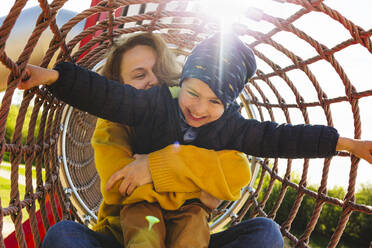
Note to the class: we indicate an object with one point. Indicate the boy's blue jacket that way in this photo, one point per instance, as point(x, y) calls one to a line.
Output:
point(153, 114)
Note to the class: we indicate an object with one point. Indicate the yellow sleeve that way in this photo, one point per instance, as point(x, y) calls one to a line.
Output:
point(112, 152)
point(188, 168)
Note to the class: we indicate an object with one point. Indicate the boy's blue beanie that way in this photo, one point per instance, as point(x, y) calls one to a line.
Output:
point(223, 62)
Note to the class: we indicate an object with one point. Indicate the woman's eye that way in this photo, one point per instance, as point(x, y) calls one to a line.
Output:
point(140, 76)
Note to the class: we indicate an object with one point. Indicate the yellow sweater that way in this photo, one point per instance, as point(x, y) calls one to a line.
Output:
point(178, 173)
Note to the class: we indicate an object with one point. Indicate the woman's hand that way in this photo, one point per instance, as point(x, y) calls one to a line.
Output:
point(209, 200)
point(360, 148)
point(36, 76)
point(135, 174)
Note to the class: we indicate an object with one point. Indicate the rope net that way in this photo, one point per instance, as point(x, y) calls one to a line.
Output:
point(289, 86)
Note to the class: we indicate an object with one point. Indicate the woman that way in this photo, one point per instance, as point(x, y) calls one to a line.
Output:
point(142, 61)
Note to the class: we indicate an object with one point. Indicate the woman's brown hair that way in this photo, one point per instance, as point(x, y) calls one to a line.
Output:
point(166, 68)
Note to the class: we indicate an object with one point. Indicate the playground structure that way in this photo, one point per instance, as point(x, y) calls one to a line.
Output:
point(70, 188)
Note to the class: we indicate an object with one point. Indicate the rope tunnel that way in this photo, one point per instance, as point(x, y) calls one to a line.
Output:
point(306, 74)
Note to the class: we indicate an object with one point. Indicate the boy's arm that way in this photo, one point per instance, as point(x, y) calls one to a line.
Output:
point(360, 148)
point(91, 92)
point(271, 140)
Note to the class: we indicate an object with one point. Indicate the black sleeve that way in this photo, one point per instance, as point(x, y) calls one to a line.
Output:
point(93, 93)
point(273, 140)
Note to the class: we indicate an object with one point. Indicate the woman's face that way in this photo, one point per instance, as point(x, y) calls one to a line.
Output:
point(198, 103)
point(137, 67)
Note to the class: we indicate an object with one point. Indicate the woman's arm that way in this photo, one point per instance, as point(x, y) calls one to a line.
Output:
point(112, 152)
point(222, 173)
point(185, 168)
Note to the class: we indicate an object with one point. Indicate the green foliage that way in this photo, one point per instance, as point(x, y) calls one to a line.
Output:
point(6, 157)
point(360, 225)
point(11, 122)
point(357, 232)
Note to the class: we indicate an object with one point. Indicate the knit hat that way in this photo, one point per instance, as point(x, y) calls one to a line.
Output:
point(223, 62)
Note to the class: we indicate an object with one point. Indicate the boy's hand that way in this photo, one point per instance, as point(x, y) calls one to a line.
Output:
point(36, 76)
point(360, 148)
point(209, 200)
point(135, 174)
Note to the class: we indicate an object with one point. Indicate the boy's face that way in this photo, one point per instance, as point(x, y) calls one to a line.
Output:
point(198, 103)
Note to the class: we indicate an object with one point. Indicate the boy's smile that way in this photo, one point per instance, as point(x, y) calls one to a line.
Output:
point(198, 103)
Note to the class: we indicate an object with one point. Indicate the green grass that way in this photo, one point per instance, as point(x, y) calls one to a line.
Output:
point(318, 241)
point(5, 198)
point(287, 243)
point(22, 169)
point(5, 186)
point(5, 191)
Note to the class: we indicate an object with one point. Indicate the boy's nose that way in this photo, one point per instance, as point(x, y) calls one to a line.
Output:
point(200, 109)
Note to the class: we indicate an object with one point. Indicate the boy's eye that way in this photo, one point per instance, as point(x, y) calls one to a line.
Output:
point(215, 102)
point(192, 93)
